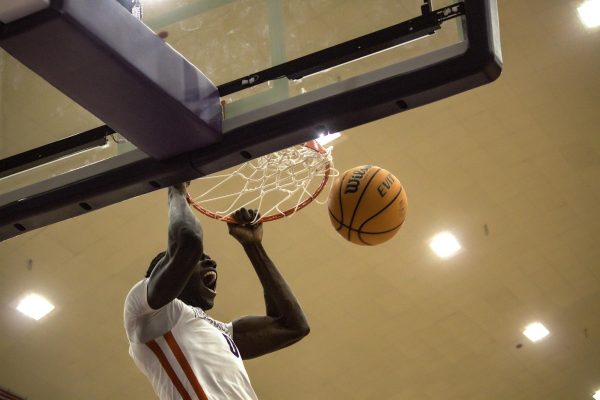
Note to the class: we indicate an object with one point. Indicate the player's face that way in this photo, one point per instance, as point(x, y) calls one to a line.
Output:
point(200, 290)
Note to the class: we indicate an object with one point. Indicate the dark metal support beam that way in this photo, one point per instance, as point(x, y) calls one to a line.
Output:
point(55, 150)
point(371, 43)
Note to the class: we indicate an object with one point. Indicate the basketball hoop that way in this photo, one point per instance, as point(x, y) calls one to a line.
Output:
point(277, 184)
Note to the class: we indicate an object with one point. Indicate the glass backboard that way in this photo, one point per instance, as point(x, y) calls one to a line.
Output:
point(233, 42)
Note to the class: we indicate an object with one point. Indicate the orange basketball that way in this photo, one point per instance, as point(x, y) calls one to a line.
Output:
point(367, 205)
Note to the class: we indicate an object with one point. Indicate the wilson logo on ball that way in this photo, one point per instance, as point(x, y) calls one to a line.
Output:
point(355, 179)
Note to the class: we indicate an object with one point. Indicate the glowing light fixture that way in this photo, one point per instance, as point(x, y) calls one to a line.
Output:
point(35, 306)
point(444, 244)
point(589, 13)
point(596, 395)
point(536, 331)
point(324, 138)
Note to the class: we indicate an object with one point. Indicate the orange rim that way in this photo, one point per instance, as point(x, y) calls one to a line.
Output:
point(313, 145)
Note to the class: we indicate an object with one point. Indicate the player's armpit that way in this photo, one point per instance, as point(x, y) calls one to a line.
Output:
point(258, 335)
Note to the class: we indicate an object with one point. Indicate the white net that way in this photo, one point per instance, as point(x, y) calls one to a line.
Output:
point(277, 184)
point(137, 9)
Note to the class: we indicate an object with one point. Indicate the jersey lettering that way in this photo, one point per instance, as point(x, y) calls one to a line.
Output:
point(232, 345)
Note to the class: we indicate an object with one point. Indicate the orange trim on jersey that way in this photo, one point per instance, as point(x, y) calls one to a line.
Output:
point(152, 345)
point(184, 364)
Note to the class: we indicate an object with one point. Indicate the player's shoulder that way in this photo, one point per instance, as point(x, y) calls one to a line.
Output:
point(136, 301)
point(139, 289)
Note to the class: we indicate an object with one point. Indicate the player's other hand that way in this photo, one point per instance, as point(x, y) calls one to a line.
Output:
point(245, 231)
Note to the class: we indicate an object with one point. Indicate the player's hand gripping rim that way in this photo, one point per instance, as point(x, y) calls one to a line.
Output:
point(246, 230)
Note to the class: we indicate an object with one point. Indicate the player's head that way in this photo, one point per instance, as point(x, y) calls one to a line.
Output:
point(200, 290)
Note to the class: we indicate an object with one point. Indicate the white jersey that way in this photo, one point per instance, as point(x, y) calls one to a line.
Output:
point(184, 353)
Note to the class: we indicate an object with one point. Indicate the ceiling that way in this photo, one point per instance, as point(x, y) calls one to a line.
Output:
point(512, 169)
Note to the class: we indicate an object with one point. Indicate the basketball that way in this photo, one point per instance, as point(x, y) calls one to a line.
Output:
point(367, 205)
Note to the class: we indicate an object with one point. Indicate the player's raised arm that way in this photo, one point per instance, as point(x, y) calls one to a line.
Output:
point(184, 251)
point(284, 322)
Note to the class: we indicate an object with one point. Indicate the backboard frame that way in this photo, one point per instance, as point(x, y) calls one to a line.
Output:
point(359, 100)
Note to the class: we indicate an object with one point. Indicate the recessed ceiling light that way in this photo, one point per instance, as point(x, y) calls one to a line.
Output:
point(596, 395)
point(35, 306)
point(536, 331)
point(444, 244)
point(589, 13)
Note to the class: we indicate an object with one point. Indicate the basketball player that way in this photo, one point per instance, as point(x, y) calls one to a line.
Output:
point(185, 353)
